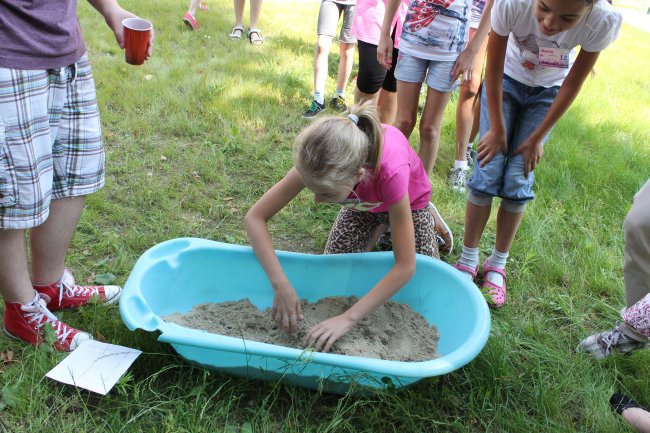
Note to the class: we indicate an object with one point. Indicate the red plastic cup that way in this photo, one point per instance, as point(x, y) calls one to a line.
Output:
point(136, 39)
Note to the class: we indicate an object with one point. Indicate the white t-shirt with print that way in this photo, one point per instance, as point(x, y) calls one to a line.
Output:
point(436, 29)
point(595, 31)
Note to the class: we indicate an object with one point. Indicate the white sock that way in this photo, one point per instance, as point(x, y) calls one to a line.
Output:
point(340, 93)
point(469, 258)
point(497, 260)
point(460, 164)
point(319, 97)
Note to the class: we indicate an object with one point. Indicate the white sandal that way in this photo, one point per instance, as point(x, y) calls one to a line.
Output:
point(236, 33)
point(255, 37)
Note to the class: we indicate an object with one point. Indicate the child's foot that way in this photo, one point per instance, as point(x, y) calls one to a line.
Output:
point(63, 296)
point(458, 178)
point(26, 322)
point(338, 104)
point(444, 236)
point(601, 345)
point(494, 286)
point(314, 110)
point(236, 33)
point(466, 270)
point(255, 37)
point(190, 21)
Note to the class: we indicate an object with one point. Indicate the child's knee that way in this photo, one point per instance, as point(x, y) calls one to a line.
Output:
point(478, 199)
point(513, 206)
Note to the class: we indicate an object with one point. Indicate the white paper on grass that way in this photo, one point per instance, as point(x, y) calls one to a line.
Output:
point(94, 366)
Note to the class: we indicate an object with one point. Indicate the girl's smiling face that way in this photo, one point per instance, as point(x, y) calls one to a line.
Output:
point(556, 16)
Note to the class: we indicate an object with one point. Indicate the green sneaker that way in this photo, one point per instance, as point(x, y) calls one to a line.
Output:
point(338, 104)
point(314, 109)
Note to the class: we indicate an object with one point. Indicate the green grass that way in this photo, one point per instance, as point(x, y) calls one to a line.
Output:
point(198, 133)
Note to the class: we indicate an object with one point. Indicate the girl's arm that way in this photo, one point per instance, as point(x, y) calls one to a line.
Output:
point(494, 140)
point(114, 14)
point(385, 45)
point(465, 61)
point(286, 304)
point(532, 148)
point(324, 334)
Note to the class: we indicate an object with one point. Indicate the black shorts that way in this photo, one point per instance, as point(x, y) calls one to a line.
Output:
point(373, 76)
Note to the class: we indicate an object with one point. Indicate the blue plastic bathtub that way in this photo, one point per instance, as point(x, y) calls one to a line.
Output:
point(176, 275)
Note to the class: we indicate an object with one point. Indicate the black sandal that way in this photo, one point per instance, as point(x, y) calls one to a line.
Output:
point(620, 402)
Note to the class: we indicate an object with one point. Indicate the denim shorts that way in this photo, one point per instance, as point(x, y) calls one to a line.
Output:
point(412, 69)
point(524, 108)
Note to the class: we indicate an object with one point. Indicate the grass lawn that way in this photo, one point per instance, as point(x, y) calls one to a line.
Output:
point(198, 133)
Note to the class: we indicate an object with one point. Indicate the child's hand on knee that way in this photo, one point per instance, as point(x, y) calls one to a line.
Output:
point(532, 151)
point(493, 143)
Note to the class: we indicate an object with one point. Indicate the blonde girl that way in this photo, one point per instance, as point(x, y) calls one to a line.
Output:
point(372, 172)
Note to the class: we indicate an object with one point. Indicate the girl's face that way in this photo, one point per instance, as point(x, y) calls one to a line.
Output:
point(555, 16)
point(336, 195)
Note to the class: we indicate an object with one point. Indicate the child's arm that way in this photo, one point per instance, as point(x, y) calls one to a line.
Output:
point(465, 61)
point(532, 148)
point(385, 45)
point(494, 140)
point(114, 14)
point(324, 334)
point(286, 304)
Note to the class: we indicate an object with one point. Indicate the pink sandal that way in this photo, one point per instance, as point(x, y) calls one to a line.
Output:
point(466, 269)
point(494, 295)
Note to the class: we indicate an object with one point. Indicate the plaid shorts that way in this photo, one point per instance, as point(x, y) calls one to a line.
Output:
point(50, 141)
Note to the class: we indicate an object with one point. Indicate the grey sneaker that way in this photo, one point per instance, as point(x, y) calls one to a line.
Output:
point(601, 345)
point(338, 104)
point(470, 155)
point(314, 109)
point(458, 179)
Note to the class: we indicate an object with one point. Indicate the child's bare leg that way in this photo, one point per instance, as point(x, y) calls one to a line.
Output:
point(239, 12)
point(321, 54)
point(408, 95)
point(476, 217)
point(387, 106)
point(49, 242)
point(15, 285)
point(346, 61)
point(194, 7)
point(430, 125)
point(256, 8)
point(507, 226)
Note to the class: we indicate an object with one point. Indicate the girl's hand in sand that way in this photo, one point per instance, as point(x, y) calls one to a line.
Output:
point(286, 309)
point(493, 143)
point(323, 335)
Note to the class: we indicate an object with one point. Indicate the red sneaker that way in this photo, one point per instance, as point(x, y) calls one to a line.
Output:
point(64, 296)
point(190, 21)
point(26, 322)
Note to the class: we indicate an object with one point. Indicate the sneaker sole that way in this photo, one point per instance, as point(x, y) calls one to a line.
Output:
point(444, 224)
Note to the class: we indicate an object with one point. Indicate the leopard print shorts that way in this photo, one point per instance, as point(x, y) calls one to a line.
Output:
point(352, 230)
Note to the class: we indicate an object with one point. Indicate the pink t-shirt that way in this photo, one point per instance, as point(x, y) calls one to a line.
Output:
point(400, 171)
point(369, 16)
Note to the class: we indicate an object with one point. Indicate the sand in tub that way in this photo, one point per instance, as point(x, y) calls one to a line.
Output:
point(394, 331)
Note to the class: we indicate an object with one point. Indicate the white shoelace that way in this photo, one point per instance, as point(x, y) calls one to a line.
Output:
point(612, 338)
point(457, 176)
point(42, 315)
point(75, 290)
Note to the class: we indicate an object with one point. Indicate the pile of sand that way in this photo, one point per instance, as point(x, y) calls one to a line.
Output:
point(394, 331)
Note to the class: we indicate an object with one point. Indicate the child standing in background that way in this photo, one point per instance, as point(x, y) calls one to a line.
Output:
point(469, 103)
point(328, 19)
point(433, 36)
point(531, 80)
point(370, 170)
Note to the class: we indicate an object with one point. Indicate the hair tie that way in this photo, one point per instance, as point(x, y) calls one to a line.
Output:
point(354, 118)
